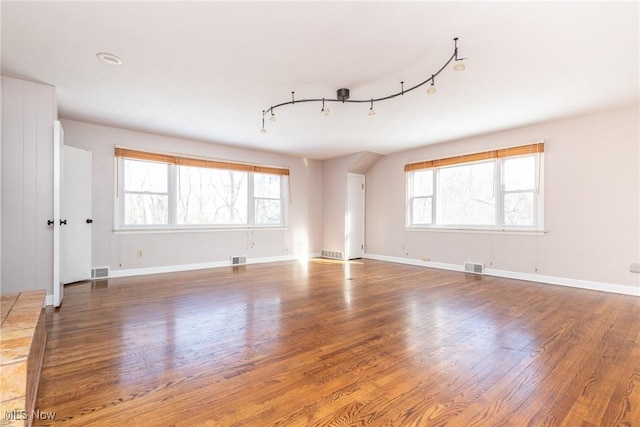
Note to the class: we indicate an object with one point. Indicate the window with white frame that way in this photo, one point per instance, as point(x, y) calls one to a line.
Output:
point(165, 191)
point(500, 189)
point(145, 193)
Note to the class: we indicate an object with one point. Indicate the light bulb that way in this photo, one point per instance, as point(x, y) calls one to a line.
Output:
point(273, 117)
point(459, 66)
point(371, 112)
point(263, 130)
point(326, 112)
point(432, 89)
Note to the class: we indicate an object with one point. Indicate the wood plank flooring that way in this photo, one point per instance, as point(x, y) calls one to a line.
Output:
point(324, 343)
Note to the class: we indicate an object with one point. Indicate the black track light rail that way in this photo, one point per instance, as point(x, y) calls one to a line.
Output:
point(454, 57)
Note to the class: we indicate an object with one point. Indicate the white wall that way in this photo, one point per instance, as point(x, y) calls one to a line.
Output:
point(28, 112)
point(592, 204)
point(119, 250)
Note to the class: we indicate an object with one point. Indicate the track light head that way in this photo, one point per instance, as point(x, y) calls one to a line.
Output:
point(263, 130)
point(432, 86)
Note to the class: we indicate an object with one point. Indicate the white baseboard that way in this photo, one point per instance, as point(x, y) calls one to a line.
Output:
point(551, 280)
point(419, 263)
point(199, 266)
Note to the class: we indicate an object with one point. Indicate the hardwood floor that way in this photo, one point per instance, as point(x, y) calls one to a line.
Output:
point(340, 344)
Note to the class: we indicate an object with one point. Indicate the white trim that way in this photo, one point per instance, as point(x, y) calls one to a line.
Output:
point(565, 281)
point(550, 280)
point(200, 266)
point(187, 267)
point(417, 262)
point(503, 231)
point(194, 230)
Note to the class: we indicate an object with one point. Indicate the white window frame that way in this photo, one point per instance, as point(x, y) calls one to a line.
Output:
point(499, 191)
point(172, 173)
point(253, 198)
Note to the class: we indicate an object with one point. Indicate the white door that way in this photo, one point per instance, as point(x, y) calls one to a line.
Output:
point(75, 231)
point(58, 140)
point(355, 216)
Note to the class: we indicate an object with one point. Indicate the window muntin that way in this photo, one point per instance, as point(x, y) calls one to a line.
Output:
point(502, 193)
point(175, 194)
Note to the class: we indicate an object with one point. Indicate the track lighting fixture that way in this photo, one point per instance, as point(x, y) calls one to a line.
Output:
point(342, 94)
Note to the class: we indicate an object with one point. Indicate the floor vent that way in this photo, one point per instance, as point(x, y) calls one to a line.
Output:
point(332, 254)
point(98, 273)
point(239, 260)
point(472, 267)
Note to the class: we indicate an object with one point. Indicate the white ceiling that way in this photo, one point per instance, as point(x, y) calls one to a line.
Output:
point(206, 70)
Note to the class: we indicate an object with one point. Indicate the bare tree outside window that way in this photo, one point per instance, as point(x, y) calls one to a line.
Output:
point(211, 196)
point(519, 190)
point(497, 193)
point(466, 195)
point(159, 194)
point(267, 190)
point(146, 196)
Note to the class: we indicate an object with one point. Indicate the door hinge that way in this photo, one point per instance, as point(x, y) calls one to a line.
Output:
point(362, 247)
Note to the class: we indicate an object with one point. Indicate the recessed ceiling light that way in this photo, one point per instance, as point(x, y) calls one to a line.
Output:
point(108, 58)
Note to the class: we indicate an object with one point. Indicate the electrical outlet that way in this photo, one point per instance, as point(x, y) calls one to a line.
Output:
point(635, 267)
point(425, 258)
point(139, 252)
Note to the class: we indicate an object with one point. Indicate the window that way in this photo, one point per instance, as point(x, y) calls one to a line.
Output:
point(212, 196)
point(492, 190)
point(146, 193)
point(164, 191)
point(267, 196)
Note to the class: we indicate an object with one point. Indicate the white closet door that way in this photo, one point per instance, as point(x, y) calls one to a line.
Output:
point(75, 231)
point(355, 216)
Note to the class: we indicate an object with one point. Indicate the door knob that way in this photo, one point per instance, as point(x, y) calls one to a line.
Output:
point(63, 221)
point(49, 222)
point(89, 221)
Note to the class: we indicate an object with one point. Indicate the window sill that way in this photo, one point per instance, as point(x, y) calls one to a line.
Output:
point(194, 230)
point(503, 232)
